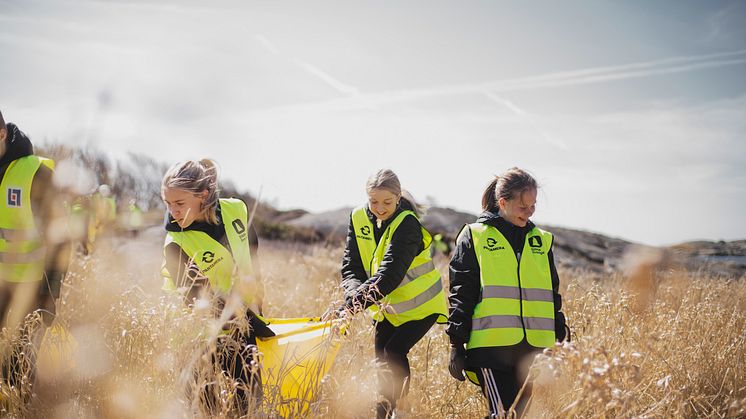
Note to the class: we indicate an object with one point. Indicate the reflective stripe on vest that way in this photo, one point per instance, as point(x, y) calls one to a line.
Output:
point(516, 293)
point(420, 293)
point(22, 251)
point(214, 261)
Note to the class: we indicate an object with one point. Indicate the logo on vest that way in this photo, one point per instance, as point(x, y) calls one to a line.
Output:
point(209, 257)
point(365, 230)
point(14, 197)
point(492, 245)
point(536, 244)
point(240, 229)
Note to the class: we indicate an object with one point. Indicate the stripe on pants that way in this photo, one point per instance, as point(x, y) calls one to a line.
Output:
point(490, 388)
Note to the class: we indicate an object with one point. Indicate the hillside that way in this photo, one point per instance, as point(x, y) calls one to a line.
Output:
point(573, 248)
point(138, 177)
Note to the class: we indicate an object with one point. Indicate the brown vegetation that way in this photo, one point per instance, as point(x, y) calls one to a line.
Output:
point(142, 354)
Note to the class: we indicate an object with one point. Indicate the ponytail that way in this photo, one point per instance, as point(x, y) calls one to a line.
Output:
point(418, 209)
point(489, 201)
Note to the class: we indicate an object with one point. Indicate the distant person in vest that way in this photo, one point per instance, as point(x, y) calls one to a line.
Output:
point(504, 299)
point(210, 251)
point(105, 210)
point(135, 220)
point(387, 268)
point(34, 248)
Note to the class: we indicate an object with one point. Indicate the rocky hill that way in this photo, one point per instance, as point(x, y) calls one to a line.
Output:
point(138, 177)
point(573, 248)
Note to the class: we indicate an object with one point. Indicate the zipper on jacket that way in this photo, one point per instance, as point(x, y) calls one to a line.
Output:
point(384, 236)
point(520, 293)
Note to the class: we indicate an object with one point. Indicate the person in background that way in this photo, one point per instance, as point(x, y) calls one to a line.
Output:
point(104, 211)
point(387, 267)
point(34, 244)
point(504, 297)
point(210, 250)
point(134, 218)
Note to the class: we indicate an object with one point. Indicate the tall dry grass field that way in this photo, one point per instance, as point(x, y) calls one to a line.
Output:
point(661, 344)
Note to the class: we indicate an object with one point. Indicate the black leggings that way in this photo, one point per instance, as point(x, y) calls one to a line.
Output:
point(501, 387)
point(392, 346)
point(234, 355)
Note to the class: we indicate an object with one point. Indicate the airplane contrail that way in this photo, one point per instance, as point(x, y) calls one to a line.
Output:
point(309, 68)
point(552, 80)
point(528, 118)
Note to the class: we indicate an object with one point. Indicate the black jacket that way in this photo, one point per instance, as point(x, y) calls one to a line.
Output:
point(46, 205)
point(184, 271)
point(406, 244)
point(465, 293)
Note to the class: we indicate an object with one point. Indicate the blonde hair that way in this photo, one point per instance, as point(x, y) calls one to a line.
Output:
point(509, 185)
point(195, 177)
point(386, 179)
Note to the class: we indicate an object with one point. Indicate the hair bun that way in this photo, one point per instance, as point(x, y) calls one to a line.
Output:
point(209, 165)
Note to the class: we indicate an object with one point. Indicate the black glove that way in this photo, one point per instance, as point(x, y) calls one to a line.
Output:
point(259, 329)
point(560, 327)
point(458, 359)
point(335, 313)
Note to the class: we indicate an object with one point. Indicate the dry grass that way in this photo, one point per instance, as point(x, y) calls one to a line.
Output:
point(671, 348)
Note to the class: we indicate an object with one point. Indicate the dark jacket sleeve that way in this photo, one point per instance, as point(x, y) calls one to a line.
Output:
point(353, 272)
point(464, 288)
point(256, 265)
point(253, 246)
point(560, 329)
point(47, 206)
point(406, 244)
point(183, 271)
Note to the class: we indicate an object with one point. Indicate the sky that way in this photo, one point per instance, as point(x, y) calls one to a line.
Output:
point(631, 115)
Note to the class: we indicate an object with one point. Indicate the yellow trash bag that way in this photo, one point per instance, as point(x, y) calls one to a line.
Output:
point(56, 355)
point(295, 361)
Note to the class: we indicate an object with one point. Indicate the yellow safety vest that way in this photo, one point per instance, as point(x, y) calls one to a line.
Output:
point(135, 216)
point(420, 293)
point(22, 250)
point(220, 266)
point(111, 209)
point(516, 293)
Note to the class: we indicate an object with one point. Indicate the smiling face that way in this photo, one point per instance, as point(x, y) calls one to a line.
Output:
point(382, 203)
point(519, 209)
point(184, 206)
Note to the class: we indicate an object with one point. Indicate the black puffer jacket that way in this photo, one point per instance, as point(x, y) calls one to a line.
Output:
point(406, 244)
point(465, 293)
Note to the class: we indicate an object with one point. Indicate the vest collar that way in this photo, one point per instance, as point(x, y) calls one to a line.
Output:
point(403, 207)
point(203, 226)
point(514, 234)
point(494, 219)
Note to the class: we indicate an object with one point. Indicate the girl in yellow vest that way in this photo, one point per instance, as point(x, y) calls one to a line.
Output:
point(33, 262)
point(387, 268)
point(209, 250)
point(504, 299)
